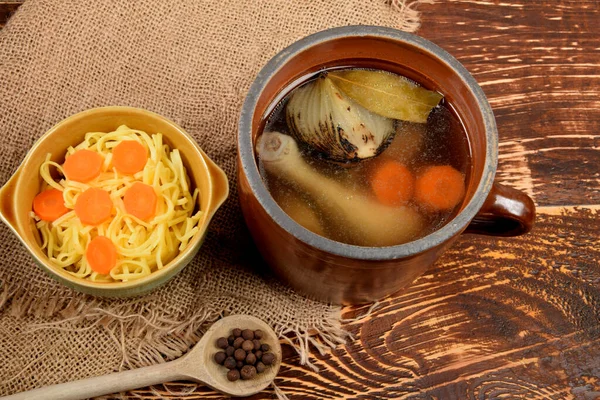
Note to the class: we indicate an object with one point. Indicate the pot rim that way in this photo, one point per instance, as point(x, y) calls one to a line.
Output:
point(437, 238)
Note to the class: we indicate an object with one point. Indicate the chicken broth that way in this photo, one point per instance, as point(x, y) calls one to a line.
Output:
point(365, 157)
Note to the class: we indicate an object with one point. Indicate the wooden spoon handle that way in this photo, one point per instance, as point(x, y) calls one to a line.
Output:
point(107, 384)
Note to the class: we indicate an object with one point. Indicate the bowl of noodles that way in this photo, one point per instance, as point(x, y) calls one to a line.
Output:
point(113, 201)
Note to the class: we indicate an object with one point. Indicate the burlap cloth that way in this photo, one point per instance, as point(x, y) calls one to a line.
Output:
point(191, 61)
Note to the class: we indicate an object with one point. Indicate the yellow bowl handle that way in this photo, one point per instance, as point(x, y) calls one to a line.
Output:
point(220, 185)
point(7, 192)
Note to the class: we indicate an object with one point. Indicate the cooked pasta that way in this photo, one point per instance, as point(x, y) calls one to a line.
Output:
point(142, 246)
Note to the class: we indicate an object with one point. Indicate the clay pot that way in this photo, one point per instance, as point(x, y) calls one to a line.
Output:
point(339, 273)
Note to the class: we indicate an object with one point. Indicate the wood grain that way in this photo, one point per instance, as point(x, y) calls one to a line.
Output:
point(494, 319)
point(537, 61)
point(7, 8)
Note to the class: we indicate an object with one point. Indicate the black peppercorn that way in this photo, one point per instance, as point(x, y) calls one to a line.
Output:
point(268, 358)
point(250, 359)
point(248, 345)
point(220, 356)
point(248, 372)
point(233, 375)
point(230, 363)
point(243, 354)
point(222, 343)
point(239, 355)
point(248, 334)
point(260, 367)
point(238, 342)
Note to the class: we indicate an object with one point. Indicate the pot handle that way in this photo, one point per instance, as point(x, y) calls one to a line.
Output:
point(506, 212)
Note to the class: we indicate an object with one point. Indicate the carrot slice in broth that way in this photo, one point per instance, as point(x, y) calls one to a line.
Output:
point(440, 188)
point(393, 184)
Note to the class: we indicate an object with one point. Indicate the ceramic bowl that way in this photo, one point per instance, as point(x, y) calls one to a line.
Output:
point(16, 196)
point(340, 273)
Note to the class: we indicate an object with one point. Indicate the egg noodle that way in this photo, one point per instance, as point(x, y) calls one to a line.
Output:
point(142, 247)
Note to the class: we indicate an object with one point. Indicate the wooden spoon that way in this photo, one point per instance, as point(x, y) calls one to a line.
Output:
point(198, 365)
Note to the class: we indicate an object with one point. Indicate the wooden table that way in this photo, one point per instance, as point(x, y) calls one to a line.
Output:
point(495, 318)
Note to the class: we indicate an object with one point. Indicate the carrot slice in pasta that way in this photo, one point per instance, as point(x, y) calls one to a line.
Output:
point(129, 157)
point(49, 205)
point(83, 165)
point(101, 254)
point(93, 206)
point(140, 201)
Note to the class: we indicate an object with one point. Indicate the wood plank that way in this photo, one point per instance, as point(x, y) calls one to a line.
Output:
point(7, 8)
point(537, 62)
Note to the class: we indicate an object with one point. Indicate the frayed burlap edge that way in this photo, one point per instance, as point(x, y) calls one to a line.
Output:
point(163, 338)
point(411, 17)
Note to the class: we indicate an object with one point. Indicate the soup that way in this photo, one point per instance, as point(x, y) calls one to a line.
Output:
point(365, 157)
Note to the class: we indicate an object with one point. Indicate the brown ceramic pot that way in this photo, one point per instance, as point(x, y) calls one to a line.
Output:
point(339, 273)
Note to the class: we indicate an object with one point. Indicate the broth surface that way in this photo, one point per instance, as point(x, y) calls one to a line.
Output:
point(441, 141)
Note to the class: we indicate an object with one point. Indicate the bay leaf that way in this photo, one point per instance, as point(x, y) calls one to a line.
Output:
point(387, 94)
